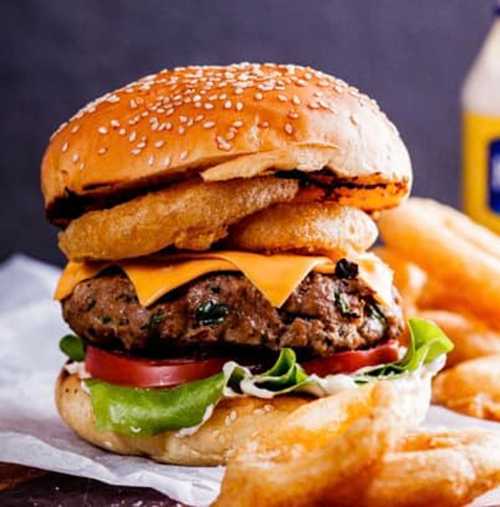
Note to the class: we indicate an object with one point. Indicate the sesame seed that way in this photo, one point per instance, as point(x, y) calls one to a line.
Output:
point(132, 136)
point(222, 144)
point(238, 91)
point(166, 161)
point(209, 124)
point(114, 123)
point(208, 105)
point(141, 145)
point(168, 125)
point(183, 118)
point(296, 100)
point(102, 130)
point(133, 103)
point(64, 147)
point(151, 160)
point(288, 128)
point(228, 104)
point(238, 124)
point(75, 158)
point(102, 151)
point(239, 106)
point(258, 96)
point(122, 131)
point(183, 155)
point(160, 143)
point(135, 151)
point(75, 129)
point(264, 124)
point(293, 115)
point(181, 130)
point(282, 98)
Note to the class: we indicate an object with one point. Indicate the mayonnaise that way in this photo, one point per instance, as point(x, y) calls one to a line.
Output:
point(481, 132)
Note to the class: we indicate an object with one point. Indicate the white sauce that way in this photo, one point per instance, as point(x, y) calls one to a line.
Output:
point(186, 432)
point(77, 368)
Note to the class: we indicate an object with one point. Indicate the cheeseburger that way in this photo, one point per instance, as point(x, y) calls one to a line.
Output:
point(216, 221)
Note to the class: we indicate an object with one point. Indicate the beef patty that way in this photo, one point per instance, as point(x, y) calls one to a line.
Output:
point(325, 314)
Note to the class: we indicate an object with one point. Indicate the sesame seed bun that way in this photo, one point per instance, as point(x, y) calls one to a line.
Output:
point(233, 422)
point(224, 123)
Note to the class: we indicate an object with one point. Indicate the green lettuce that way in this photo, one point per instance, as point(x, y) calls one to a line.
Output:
point(138, 411)
point(427, 343)
point(73, 347)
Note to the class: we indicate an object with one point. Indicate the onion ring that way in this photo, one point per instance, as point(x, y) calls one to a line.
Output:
point(319, 228)
point(190, 215)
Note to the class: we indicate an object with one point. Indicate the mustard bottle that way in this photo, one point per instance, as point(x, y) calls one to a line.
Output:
point(481, 133)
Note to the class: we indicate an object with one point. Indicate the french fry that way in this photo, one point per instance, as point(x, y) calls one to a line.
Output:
point(458, 254)
point(447, 469)
point(472, 338)
point(471, 387)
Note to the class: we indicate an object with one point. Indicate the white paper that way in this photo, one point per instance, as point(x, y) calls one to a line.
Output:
point(31, 432)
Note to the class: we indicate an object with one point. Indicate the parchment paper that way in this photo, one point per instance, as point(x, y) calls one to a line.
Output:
point(31, 432)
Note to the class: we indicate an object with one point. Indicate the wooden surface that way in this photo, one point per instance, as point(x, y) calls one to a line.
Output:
point(28, 487)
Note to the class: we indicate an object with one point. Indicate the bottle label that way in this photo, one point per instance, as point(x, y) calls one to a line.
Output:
point(481, 168)
point(494, 176)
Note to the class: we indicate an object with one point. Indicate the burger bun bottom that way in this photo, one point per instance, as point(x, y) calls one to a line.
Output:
point(234, 422)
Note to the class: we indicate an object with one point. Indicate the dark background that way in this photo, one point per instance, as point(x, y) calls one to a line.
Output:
point(56, 55)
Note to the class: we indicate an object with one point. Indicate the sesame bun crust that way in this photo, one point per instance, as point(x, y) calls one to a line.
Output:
point(223, 122)
point(233, 423)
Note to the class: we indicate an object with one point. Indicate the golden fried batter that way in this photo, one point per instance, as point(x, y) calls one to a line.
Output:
point(320, 228)
point(190, 215)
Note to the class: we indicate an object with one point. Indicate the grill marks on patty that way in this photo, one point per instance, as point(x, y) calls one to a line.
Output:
point(324, 315)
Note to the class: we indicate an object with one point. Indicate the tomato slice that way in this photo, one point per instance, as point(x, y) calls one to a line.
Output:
point(347, 362)
point(117, 368)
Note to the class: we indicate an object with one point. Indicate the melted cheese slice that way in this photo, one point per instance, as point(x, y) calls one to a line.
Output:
point(275, 276)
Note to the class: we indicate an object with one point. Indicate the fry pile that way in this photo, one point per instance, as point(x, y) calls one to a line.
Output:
point(360, 447)
point(447, 269)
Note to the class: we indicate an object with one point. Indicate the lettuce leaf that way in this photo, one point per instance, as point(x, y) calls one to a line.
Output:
point(73, 347)
point(427, 343)
point(138, 411)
